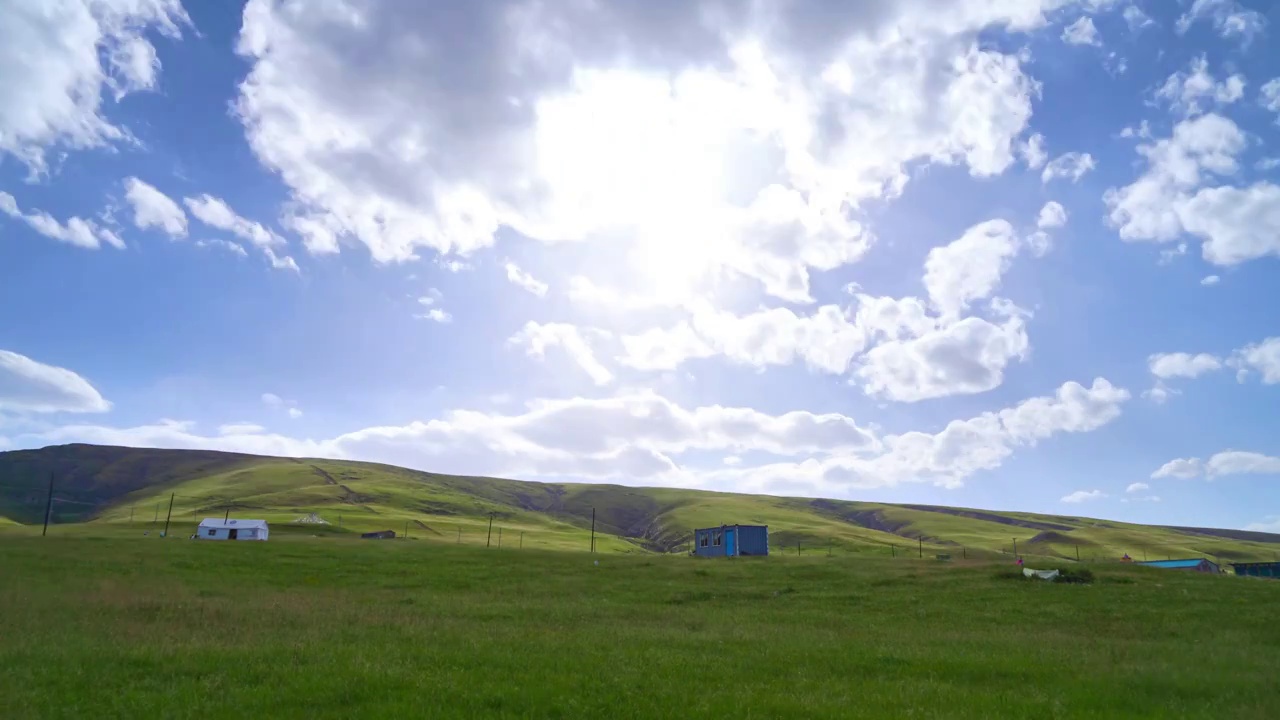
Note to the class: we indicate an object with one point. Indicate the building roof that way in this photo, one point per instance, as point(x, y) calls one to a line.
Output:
point(1254, 563)
point(1187, 563)
point(233, 524)
point(730, 525)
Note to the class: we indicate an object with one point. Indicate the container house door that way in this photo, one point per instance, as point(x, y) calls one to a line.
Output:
point(730, 544)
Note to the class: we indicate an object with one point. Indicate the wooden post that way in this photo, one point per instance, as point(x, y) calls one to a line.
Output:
point(521, 545)
point(893, 550)
point(170, 515)
point(489, 538)
point(48, 507)
point(1015, 547)
point(227, 516)
point(964, 553)
point(797, 548)
point(1077, 553)
point(593, 529)
point(499, 536)
point(920, 540)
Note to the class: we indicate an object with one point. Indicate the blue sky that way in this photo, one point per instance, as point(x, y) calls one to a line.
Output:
point(1008, 255)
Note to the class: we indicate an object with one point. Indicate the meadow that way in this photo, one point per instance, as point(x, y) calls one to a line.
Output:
point(337, 628)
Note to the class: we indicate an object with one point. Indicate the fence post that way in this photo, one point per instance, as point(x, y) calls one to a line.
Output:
point(48, 507)
point(169, 516)
point(921, 540)
point(593, 529)
point(489, 538)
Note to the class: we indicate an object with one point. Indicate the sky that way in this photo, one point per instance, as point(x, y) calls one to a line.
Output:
point(1007, 254)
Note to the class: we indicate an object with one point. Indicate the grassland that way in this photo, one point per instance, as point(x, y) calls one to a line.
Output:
point(313, 628)
point(113, 492)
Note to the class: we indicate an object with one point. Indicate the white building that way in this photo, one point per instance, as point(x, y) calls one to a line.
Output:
point(215, 529)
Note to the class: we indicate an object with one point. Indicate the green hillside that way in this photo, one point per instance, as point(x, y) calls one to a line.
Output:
point(112, 490)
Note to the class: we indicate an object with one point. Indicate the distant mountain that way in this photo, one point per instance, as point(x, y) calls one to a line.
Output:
point(110, 489)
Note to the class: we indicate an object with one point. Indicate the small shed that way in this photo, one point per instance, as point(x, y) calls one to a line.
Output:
point(379, 535)
point(217, 529)
point(1203, 565)
point(731, 541)
point(1257, 569)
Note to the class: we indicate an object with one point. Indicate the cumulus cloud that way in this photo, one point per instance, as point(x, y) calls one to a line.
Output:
point(1137, 487)
point(637, 437)
point(536, 337)
point(1080, 496)
point(1136, 19)
point(1052, 215)
point(1262, 358)
point(29, 386)
point(215, 212)
point(1186, 92)
point(58, 60)
point(751, 134)
point(241, 428)
point(1072, 166)
point(152, 208)
point(970, 267)
point(1210, 280)
point(1182, 365)
point(1081, 32)
point(1269, 97)
point(1235, 224)
point(279, 404)
point(1033, 151)
point(1229, 18)
point(76, 231)
point(1229, 462)
point(525, 280)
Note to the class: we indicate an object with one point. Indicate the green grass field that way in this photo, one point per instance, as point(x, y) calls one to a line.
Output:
point(332, 628)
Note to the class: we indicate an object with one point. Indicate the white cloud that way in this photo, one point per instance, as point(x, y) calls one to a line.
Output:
point(1262, 357)
point(1229, 462)
point(1270, 524)
point(76, 231)
point(1136, 19)
point(231, 247)
point(1081, 32)
point(1052, 215)
point(275, 402)
point(1137, 487)
point(1229, 18)
point(751, 136)
point(1168, 255)
point(634, 438)
point(525, 280)
point(1072, 165)
point(1080, 496)
point(1033, 151)
point(215, 212)
point(1269, 98)
point(1235, 224)
point(962, 358)
point(1210, 280)
point(970, 267)
point(437, 315)
point(241, 428)
point(28, 386)
point(1186, 91)
point(58, 58)
point(152, 208)
point(1182, 365)
point(536, 337)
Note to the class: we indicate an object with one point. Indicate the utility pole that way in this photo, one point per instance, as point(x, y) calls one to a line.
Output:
point(489, 538)
point(593, 529)
point(48, 507)
point(169, 516)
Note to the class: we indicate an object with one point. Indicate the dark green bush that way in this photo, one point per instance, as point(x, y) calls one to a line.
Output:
point(1078, 575)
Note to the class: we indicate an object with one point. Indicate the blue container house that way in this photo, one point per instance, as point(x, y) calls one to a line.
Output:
point(1257, 569)
point(1193, 564)
point(731, 541)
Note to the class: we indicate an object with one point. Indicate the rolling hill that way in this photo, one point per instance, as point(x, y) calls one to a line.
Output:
point(123, 490)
